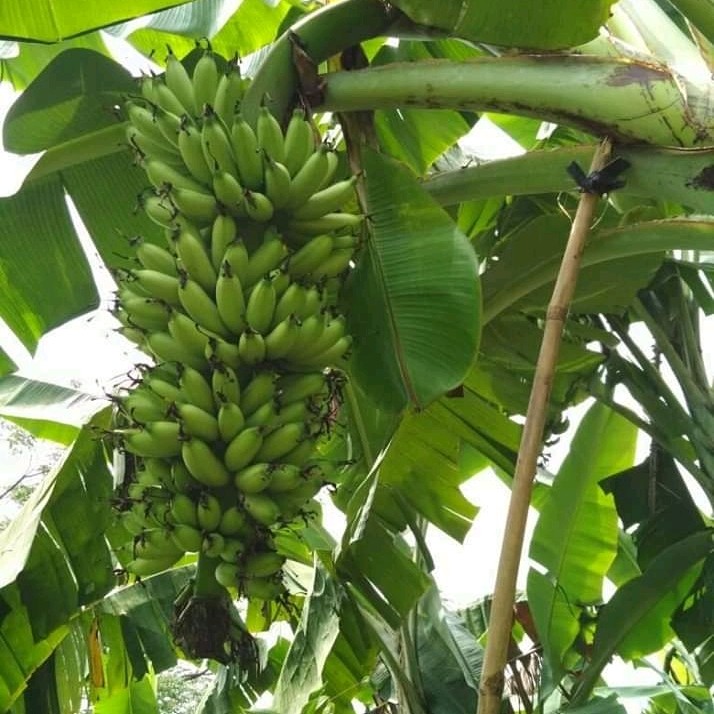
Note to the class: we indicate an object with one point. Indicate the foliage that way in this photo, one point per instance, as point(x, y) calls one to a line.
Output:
point(446, 304)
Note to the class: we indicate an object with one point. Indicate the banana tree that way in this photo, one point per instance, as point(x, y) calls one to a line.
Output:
point(444, 301)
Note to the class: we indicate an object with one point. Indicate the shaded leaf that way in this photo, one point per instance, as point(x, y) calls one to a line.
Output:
point(414, 299)
point(548, 24)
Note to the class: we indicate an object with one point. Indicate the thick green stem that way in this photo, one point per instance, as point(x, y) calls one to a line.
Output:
point(206, 584)
point(625, 99)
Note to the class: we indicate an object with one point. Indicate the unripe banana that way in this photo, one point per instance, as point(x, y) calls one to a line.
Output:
point(270, 135)
point(190, 146)
point(144, 120)
point(229, 192)
point(158, 285)
point(284, 477)
point(216, 144)
point(168, 121)
point(159, 209)
point(330, 356)
point(337, 263)
point(309, 330)
point(208, 511)
point(147, 313)
point(334, 329)
point(131, 522)
point(314, 302)
point(300, 453)
point(203, 464)
point(258, 207)
point(227, 574)
point(201, 308)
point(251, 347)
point(327, 200)
point(183, 510)
point(330, 222)
point(200, 207)
point(310, 256)
point(261, 565)
point(230, 300)
point(299, 141)
point(182, 480)
point(198, 422)
point(333, 162)
point(197, 389)
point(262, 588)
point(143, 406)
point(258, 391)
point(262, 416)
point(280, 442)
point(261, 508)
point(159, 469)
point(265, 258)
point(228, 93)
point(280, 340)
point(187, 537)
point(233, 521)
point(145, 567)
point(308, 179)
point(188, 334)
point(145, 147)
point(194, 258)
point(230, 421)
point(225, 385)
point(298, 387)
point(158, 439)
point(233, 549)
point(223, 232)
point(253, 479)
point(291, 302)
point(163, 175)
point(221, 353)
point(243, 448)
point(163, 387)
point(167, 349)
point(213, 545)
point(277, 181)
point(179, 82)
point(247, 153)
point(236, 256)
point(261, 306)
point(154, 257)
point(295, 411)
point(205, 81)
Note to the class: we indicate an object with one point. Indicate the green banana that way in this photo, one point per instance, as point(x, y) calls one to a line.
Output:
point(230, 421)
point(189, 335)
point(154, 257)
point(144, 567)
point(131, 522)
point(258, 391)
point(284, 477)
point(298, 387)
point(300, 453)
point(187, 537)
point(221, 353)
point(195, 260)
point(263, 415)
point(334, 265)
point(161, 174)
point(308, 258)
point(236, 256)
point(229, 192)
point(314, 302)
point(230, 300)
point(327, 200)
point(182, 480)
point(299, 141)
point(201, 308)
point(333, 162)
point(330, 356)
point(280, 442)
point(253, 479)
point(158, 285)
point(228, 93)
point(213, 545)
point(159, 439)
point(248, 157)
point(330, 222)
point(261, 565)
point(223, 232)
point(295, 411)
point(243, 448)
point(178, 81)
point(225, 385)
point(280, 340)
point(227, 574)
point(147, 313)
point(197, 389)
point(308, 179)
point(233, 549)
point(190, 146)
point(333, 330)
point(197, 422)
point(208, 511)
point(251, 347)
point(203, 464)
point(270, 135)
point(277, 182)
point(233, 521)
point(159, 209)
point(262, 588)
point(261, 508)
point(168, 121)
point(260, 307)
point(163, 387)
point(183, 510)
point(205, 81)
point(200, 207)
point(143, 406)
point(309, 330)
point(291, 302)
point(266, 257)
point(168, 349)
point(216, 144)
point(145, 122)
point(258, 207)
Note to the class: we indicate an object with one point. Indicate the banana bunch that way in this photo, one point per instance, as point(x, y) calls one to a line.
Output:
point(237, 306)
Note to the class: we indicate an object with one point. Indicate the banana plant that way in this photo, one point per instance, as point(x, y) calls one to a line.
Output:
point(445, 306)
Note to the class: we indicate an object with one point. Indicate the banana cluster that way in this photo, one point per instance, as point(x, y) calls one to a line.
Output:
point(238, 309)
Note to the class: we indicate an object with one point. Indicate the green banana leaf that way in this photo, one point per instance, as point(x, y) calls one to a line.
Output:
point(575, 539)
point(413, 302)
point(47, 411)
point(554, 24)
point(47, 21)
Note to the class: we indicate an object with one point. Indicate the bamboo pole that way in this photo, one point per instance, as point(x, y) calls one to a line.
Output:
point(501, 618)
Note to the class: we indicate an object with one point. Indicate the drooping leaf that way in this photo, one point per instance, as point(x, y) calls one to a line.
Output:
point(552, 24)
point(413, 303)
point(575, 539)
point(319, 626)
point(45, 278)
point(47, 411)
point(48, 21)
point(73, 96)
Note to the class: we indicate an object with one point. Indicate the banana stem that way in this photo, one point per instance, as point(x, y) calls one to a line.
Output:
point(206, 584)
point(501, 619)
point(625, 99)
